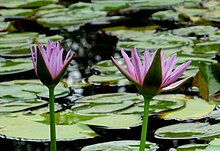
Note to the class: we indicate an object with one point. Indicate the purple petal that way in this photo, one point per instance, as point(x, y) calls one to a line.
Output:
point(146, 62)
point(137, 65)
point(169, 65)
point(175, 74)
point(125, 72)
point(175, 85)
point(128, 63)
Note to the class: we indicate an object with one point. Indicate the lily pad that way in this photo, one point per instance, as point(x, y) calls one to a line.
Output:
point(207, 47)
point(21, 126)
point(124, 145)
point(69, 17)
point(191, 147)
point(16, 12)
point(25, 4)
point(8, 106)
point(15, 66)
point(195, 31)
point(108, 80)
point(25, 89)
point(189, 111)
point(124, 103)
point(164, 42)
point(115, 121)
point(16, 44)
point(203, 131)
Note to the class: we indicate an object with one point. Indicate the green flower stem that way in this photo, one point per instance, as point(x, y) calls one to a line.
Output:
point(52, 121)
point(145, 123)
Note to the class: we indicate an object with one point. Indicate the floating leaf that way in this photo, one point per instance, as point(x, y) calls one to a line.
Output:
point(8, 106)
point(22, 126)
point(195, 31)
point(25, 4)
point(192, 110)
point(124, 103)
point(191, 147)
point(115, 121)
point(207, 47)
point(203, 131)
point(163, 42)
point(125, 145)
point(25, 89)
point(16, 12)
point(15, 66)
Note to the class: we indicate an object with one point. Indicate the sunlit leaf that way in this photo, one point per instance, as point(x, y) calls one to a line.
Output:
point(208, 80)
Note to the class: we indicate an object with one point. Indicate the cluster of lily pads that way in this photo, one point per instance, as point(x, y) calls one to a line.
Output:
point(188, 28)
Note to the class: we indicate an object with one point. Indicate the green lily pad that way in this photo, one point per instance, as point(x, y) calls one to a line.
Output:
point(124, 103)
point(135, 34)
point(152, 4)
point(212, 146)
point(15, 66)
point(207, 48)
point(21, 126)
point(16, 44)
point(115, 121)
point(16, 12)
point(166, 15)
point(24, 89)
point(108, 80)
point(195, 31)
point(191, 147)
point(124, 145)
point(193, 12)
point(8, 106)
point(203, 131)
point(43, 39)
point(25, 4)
point(212, 15)
point(164, 42)
point(69, 17)
point(189, 111)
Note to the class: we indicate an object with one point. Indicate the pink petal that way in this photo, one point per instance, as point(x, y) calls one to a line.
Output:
point(175, 74)
point(129, 65)
point(125, 72)
point(169, 65)
point(137, 65)
point(34, 57)
point(146, 62)
point(175, 84)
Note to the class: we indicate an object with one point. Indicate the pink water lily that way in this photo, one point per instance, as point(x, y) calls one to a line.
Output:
point(49, 62)
point(155, 74)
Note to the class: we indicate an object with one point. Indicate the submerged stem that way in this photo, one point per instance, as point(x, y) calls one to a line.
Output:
point(52, 121)
point(145, 122)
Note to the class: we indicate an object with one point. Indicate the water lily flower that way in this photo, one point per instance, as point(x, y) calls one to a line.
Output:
point(49, 63)
point(50, 66)
point(155, 74)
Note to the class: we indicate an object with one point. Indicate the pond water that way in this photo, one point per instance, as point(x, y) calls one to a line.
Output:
point(94, 102)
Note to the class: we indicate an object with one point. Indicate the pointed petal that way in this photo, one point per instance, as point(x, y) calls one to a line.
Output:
point(175, 85)
point(128, 63)
point(146, 62)
point(176, 74)
point(125, 72)
point(34, 57)
point(169, 65)
point(64, 67)
point(137, 65)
